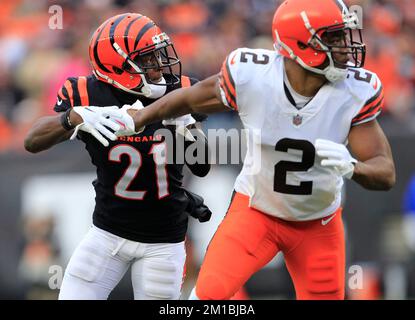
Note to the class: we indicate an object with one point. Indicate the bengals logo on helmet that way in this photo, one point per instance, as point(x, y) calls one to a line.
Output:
point(126, 48)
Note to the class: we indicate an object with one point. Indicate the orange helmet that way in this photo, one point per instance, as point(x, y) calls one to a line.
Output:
point(300, 28)
point(120, 45)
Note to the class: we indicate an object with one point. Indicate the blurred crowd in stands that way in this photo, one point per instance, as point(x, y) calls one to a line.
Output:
point(35, 59)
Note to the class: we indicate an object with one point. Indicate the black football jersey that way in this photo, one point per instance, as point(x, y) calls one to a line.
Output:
point(138, 196)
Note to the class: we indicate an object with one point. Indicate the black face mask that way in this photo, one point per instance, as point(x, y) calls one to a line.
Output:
point(162, 57)
point(341, 40)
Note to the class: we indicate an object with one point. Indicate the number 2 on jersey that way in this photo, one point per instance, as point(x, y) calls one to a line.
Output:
point(244, 58)
point(121, 188)
point(282, 167)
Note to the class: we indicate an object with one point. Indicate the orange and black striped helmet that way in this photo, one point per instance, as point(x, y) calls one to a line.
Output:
point(120, 45)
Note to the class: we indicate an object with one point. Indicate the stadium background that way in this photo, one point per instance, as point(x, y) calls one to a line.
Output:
point(46, 200)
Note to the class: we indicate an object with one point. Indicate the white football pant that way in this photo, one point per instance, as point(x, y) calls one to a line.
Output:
point(101, 260)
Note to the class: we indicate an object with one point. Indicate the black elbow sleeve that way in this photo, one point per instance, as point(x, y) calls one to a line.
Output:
point(196, 207)
point(202, 166)
point(199, 170)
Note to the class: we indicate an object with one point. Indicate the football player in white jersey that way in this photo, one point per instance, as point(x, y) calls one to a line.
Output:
point(310, 98)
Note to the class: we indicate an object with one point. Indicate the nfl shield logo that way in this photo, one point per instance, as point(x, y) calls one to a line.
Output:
point(297, 120)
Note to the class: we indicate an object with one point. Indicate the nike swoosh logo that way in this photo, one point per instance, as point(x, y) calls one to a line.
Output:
point(233, 59)
point(121, 124)
point(59, 102)
point(375, 86)
point(324, 222)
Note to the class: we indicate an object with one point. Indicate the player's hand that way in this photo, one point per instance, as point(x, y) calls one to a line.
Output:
point(181, 130)
point(124, 117)
point(96, 122)
point(182, 125)
point(196, 207)
point(336, 156)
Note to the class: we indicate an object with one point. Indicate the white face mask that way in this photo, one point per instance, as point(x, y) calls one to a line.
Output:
point(157, 91)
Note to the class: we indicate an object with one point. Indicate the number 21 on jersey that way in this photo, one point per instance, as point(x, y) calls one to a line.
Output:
point(122, 186)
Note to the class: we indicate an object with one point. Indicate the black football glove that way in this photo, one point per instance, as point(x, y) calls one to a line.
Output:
point(196, 208)
point(199, 117)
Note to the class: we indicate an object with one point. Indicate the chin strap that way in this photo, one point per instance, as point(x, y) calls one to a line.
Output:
point(118, 85)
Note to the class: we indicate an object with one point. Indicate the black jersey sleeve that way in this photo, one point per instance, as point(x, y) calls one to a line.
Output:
point(72, 93)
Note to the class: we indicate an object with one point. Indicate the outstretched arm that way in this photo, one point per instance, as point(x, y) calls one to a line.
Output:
point(203, 97)
point(375, 168)
point(48, 131)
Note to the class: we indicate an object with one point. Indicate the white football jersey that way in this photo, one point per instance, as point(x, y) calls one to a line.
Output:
point(290, 183)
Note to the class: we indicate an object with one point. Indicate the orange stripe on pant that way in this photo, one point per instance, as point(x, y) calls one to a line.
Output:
point(248, 239)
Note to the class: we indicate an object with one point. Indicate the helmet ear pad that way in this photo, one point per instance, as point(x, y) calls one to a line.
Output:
point(309, 55)
point(117, 70)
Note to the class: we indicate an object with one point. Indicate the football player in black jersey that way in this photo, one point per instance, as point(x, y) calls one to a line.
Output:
point(141, 211)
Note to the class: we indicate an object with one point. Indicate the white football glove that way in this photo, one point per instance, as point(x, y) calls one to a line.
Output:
point(181, 124)
point(185, 132)
point(126, 121)
point(337, 156)
point(94, 121)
